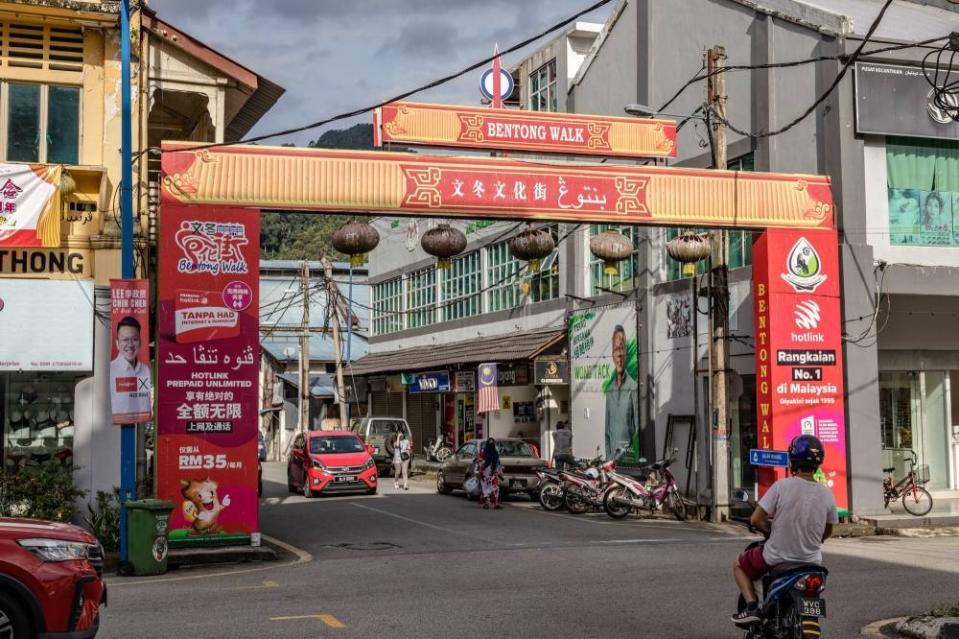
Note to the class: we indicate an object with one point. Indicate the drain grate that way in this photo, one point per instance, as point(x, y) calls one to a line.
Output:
point(375, 545)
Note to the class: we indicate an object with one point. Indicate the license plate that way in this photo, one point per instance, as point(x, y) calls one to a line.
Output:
point(517, 483)
point(812, 607)
point(345, 478)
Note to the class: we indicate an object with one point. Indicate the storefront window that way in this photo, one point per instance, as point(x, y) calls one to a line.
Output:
point(388, 306)
point(923, 181)
point(421, 297)
point(914, 417)
point(461, 286)
point(37, 417)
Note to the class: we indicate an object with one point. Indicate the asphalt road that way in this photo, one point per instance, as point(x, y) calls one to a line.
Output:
point(417, 564)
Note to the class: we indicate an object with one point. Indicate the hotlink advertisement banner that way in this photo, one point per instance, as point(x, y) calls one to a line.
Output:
point(208, 365)
point(799, 366)
point(604, 388)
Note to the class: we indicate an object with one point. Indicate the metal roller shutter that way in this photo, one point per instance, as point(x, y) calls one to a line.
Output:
point(387, 404)
point(421, 416)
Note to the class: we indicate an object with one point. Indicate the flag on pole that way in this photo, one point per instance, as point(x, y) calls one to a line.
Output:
point(497, 89)
point(488, 393)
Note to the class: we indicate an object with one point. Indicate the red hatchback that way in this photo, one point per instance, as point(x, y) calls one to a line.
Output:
point(51, 581)
point(330, 461)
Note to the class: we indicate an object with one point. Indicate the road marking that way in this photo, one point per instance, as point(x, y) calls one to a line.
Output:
point(266, 583)
point(410, 519)
point(875, 628)
point(329, 620)
point(665, 540)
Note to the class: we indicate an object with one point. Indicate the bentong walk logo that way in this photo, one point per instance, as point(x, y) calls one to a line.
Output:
point(211, 247)
point(803, 267)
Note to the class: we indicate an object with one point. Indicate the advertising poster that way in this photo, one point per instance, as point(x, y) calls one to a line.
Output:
point(604, 388)
point(799, 368)
point(131, 379)
point(208, 361)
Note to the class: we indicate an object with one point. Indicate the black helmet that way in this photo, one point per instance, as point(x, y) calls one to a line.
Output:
point(806, 453)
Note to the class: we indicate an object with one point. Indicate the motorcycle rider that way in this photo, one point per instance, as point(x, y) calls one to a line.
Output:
point(804, 511)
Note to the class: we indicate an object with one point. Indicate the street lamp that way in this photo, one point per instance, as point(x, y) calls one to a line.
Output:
point(644, 111)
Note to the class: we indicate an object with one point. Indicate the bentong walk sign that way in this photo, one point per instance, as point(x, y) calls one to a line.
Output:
point(216, 188)
point(530, 131)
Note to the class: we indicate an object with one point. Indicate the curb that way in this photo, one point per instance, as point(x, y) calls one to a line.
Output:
point(881, 629)
point(924, 532)
point(183, 557)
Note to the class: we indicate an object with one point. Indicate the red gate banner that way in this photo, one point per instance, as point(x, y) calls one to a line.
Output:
point(131, 378)
point(530, 131)
point(799, 369)
point(407, 184)
point(208, 369)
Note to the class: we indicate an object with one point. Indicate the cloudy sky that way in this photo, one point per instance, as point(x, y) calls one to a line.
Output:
point(333, 56)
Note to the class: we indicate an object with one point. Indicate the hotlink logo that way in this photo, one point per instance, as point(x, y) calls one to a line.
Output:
point(807, 315)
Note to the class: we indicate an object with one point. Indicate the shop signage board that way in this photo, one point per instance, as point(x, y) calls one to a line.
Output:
point(54, 263)
point(208, 364)
point(551, 371)
point(512, 374)
point(46, 325)
point(131, 374)
point(530, 131)
point(464, 381)
point(604, 385)
point(29, 212)
point(431, 382)
point(799, 369)
point(313, 180)
point(915, 114)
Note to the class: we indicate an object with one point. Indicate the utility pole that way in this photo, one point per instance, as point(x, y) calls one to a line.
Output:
point(332, 305)
point(719, 298)
point(305, 349)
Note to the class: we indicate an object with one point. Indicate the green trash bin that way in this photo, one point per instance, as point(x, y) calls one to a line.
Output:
point(148, 521)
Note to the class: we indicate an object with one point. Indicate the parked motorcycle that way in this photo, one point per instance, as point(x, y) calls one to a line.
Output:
point(790, 598)
point(627, 494)
point(551, 488)
point(438, 449)
point(586, 489)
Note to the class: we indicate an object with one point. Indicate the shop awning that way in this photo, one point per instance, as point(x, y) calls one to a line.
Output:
point(324, 384)
point(492, 348)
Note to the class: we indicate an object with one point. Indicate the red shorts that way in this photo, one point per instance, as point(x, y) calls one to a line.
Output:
point(753, 564)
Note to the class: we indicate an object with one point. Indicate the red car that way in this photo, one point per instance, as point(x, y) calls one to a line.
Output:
point(51, 581)
point(330, 461)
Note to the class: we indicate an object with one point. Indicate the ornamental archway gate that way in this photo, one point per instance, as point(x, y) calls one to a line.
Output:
point(208, 305)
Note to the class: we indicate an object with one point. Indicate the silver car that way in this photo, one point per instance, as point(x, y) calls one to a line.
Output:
point(516, 456)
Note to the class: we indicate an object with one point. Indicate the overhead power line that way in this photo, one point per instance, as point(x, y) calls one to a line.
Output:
point(411, 92)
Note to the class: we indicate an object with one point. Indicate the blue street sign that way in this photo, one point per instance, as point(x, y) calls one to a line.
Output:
point(769, 458)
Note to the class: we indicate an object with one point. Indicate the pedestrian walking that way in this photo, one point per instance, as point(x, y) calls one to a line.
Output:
point(491, 472)
point(401, 459)
point(563, 447)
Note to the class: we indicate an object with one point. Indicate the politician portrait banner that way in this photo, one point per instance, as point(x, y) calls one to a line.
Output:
point(131, 379)
point(604, 380)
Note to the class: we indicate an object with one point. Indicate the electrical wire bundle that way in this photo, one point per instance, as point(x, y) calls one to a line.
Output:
point(937, 68)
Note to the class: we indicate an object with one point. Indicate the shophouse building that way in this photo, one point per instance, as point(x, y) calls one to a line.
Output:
point(61, 114)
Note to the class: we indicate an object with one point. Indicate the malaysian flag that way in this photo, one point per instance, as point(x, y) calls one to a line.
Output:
point(488, 394)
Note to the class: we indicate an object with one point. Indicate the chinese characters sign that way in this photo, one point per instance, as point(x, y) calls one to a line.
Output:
point(131, 378)
point(208, 366)
point(533, 131)
point(336, 181)
point(799, 373)
point(29, 215)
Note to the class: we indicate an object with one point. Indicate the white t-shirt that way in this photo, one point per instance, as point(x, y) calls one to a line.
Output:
point(801, 509)
point(136, 402)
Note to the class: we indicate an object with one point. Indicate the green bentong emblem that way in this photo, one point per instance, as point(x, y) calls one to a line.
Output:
point(803, 267)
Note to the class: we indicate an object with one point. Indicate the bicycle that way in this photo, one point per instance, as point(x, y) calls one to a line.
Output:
point(915, 498)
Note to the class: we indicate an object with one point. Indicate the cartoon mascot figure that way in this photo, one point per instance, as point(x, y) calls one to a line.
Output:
point(202, 506)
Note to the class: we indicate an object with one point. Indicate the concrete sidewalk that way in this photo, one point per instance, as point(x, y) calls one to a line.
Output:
point(945, 512)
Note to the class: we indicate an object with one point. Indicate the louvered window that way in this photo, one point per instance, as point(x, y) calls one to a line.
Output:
point(46, 47)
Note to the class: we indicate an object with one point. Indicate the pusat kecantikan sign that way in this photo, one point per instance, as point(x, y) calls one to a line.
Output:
point(532, 131)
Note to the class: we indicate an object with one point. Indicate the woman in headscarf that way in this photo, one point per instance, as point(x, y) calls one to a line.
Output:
point(490, 471)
